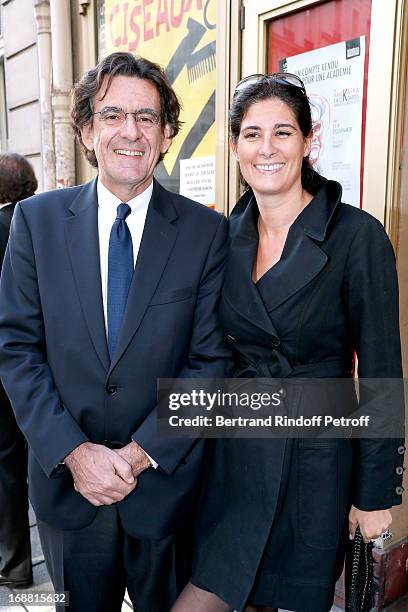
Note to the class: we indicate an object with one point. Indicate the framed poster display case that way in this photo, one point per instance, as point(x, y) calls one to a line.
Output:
point(277, 29)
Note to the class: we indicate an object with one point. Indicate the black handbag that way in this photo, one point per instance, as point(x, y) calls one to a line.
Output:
point(359, 575)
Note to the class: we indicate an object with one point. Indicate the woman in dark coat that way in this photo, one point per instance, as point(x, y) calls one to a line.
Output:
point(310, 282)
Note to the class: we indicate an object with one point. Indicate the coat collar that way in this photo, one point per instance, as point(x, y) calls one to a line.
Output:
point(158, 239)
point(314, 218)
point(302, 258)
point(8, 206)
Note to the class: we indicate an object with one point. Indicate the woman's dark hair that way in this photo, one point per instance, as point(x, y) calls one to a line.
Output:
point(297, 101)
point(17, 178)
point(124, 64)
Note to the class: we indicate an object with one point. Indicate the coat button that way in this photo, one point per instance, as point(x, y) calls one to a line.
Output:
point(399, 490)
point(275, 341)
point(231, 339)
point(401, 450)
point(282, 392)
point(111, 389)
point(399, 470)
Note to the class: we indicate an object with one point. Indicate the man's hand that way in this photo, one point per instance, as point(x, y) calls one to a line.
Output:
point(372, 524)
point(100, 474)
point(135, 457)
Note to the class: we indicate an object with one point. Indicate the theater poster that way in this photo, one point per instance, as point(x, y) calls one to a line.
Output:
point(180, 36)
point(334, 80)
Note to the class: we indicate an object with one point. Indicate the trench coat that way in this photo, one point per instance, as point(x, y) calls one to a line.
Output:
point(274, 516)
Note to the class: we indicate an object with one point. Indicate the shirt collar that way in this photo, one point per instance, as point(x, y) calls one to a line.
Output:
point(107, 200)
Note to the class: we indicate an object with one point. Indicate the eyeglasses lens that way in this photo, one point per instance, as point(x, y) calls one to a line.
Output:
point(116, 117)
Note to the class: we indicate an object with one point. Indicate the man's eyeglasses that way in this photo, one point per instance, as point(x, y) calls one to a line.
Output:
point(283, 78)
point(146, 118)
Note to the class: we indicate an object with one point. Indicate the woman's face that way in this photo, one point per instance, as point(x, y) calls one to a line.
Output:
point(270, 148)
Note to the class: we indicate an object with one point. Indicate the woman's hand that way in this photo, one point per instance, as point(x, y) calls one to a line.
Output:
point(372, 524)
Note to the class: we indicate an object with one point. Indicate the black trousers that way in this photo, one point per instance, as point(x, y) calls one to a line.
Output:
point(15, 550)
point(97, 563)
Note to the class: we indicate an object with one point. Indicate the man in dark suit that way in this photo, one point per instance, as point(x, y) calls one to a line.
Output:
point(17, 182)
point(106, 288)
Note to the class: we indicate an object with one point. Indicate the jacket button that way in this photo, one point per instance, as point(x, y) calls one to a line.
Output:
point(399, 490)
point(275, 341)
point(111, 389)
point(282, 392)
point(399, 470)
point(401, 450)
point(231, 339)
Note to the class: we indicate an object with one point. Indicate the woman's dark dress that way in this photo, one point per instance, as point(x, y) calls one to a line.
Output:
point(274, 518)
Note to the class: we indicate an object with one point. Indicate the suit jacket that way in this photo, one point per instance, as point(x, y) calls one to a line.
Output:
point(6, 214)
point(15, 551)
point(53, 353)
point(9, 423)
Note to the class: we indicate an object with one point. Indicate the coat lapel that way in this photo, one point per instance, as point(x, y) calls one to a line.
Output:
point(302, 257)
point(239, 288)
point(300, 262)
point(158, 239)
point(81, 231)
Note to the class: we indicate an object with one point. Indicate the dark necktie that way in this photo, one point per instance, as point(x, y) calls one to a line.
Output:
point(120, 271)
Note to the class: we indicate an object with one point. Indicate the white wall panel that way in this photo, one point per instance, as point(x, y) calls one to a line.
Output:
point(24, 129)
point(22, 78)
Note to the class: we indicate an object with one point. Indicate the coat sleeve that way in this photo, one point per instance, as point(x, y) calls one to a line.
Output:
point(372, 298)
point(50, 430)
point(207, 358)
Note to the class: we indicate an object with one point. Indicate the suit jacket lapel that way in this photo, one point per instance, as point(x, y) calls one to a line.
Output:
point(81, 230)
point(158, 239)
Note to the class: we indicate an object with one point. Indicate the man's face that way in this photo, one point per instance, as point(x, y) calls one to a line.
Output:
point(127, 154)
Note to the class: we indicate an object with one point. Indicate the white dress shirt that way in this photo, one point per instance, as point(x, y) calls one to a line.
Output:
point(107, 208)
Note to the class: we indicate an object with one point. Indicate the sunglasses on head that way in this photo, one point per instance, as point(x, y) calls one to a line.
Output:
point(283, 78)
